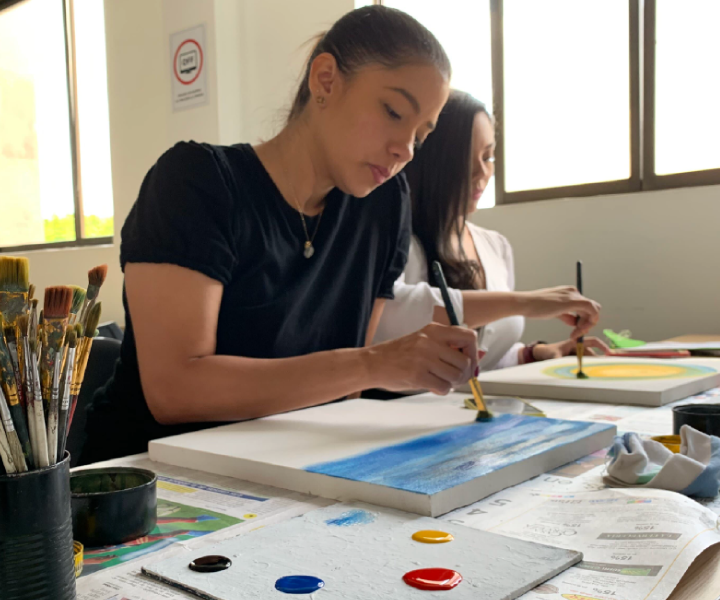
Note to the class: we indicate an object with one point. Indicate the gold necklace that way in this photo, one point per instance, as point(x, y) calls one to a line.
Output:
point(308, 248)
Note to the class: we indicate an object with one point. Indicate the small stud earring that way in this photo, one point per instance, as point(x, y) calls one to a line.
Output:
point(320, 99)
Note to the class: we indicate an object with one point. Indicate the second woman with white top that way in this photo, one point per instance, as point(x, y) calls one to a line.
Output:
point(447, 177)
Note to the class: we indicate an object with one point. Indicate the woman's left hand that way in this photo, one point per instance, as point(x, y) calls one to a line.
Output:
point(593, 347)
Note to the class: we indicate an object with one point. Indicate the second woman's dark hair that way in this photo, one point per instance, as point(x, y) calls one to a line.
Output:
point(374, 35)
point(440, 178)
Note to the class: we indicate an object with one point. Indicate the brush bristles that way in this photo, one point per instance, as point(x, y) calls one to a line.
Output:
point(97, 275)
point(23, 324)
point(35, 303)
point(31, 291)
point(77, 299)
point(93, 320)
point(71, 337)
point(14, 274)
point(79, 330)
point(58, 300)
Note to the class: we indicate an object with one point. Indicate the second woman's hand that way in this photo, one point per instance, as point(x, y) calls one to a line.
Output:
point(593, 347)
point(436, 358)
point(564, 303)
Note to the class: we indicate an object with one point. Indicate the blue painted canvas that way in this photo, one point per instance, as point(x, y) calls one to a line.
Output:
point(440, 461)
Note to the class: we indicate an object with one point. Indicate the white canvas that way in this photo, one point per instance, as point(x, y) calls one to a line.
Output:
point(425, 459)
point(533, 381)
point(362, 552)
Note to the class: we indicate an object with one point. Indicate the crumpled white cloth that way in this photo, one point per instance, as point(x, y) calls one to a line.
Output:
point(695, 471)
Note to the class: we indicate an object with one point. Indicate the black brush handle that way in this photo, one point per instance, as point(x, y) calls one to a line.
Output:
point(579, 286)
point(18, 417)
point(442, 284)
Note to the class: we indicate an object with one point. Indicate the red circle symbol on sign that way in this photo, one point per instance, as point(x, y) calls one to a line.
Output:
point(191, 56)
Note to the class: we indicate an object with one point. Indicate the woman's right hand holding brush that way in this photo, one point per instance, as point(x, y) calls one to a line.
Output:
point(436, 358)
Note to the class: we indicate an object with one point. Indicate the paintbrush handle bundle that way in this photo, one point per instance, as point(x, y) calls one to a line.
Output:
point(42, 363)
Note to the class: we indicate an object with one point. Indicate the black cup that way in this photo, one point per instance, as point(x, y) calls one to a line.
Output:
point(113, 505)
point(36, 543)
point(703, 417)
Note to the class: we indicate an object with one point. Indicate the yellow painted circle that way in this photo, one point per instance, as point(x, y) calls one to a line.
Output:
point(631, 370)
point(430, 536)
point(621, 371)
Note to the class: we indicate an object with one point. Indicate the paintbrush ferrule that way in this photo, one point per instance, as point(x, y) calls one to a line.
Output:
point(42, 458)
point(64, 415)
point(53, 414)
point(12, 305)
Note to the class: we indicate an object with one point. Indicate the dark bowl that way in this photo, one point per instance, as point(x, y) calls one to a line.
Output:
point(113, 505)
point(703, 417)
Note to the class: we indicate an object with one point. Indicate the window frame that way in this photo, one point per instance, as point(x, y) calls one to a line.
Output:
point(622, 186)
point(71, 76)
point(641, 38)
point(651, 180)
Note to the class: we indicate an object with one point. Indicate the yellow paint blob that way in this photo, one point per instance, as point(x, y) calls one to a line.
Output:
point(430, 536)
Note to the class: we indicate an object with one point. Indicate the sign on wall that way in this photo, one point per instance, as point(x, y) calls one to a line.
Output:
point(188, 68)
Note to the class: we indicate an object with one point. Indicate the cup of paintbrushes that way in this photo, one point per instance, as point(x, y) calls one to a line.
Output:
point(36, 543)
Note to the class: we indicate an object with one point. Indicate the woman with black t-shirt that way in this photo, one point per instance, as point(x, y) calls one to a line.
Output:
point(254, 276)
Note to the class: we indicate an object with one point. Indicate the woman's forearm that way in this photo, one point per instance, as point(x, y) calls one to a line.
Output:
point(481, 307)
point(229, 388)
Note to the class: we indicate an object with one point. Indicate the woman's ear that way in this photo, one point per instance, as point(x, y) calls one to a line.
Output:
point(324, 78)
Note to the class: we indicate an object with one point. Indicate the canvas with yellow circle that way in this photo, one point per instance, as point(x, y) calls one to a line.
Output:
point(624, 371)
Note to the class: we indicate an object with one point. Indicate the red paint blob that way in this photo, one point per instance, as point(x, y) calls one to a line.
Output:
point(433, 579)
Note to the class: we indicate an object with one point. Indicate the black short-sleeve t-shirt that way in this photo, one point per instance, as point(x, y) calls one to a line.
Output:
point(215, 209)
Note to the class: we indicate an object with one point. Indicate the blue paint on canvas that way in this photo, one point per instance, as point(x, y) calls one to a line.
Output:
point(436, 462)
point(352, 517)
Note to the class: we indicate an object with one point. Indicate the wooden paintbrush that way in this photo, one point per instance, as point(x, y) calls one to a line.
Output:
point(483, 413)
point(11, 436)
point(79, 295)
point(14, 286)
point(96, 277)
point(41, 456)
point(65, 384)
point(12, 386)
point(580, 346)
point(54, 411)
point(83, 354)
point(56, 310)
point(5, 454)
point(27, 380)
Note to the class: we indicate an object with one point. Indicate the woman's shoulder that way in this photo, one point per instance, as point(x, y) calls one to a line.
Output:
point(496, 240)
point(193, 157)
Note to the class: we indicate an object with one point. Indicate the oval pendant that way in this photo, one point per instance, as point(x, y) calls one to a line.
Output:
point(309, 250)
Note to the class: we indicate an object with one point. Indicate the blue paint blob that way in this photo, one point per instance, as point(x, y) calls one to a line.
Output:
point(299, 584)
point(352, 517)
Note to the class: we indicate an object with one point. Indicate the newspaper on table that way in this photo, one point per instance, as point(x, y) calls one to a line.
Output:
point(637, 544)
point(195, 509)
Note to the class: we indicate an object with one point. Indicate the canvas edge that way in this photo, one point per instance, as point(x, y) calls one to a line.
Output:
point(290, 478)
point(545, 392)
point(465, 494)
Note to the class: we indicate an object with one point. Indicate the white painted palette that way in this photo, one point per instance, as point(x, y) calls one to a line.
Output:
point(426, 459)
point(641, 381)
point(362, 552)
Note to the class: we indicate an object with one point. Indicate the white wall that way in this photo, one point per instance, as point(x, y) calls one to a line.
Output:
point(651, 259)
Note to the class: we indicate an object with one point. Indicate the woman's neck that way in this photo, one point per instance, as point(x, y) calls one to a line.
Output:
point(293, 161)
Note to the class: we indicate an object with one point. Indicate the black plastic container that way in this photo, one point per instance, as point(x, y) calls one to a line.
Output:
point(36, 543)
point(113, 505)
point(703, 417)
